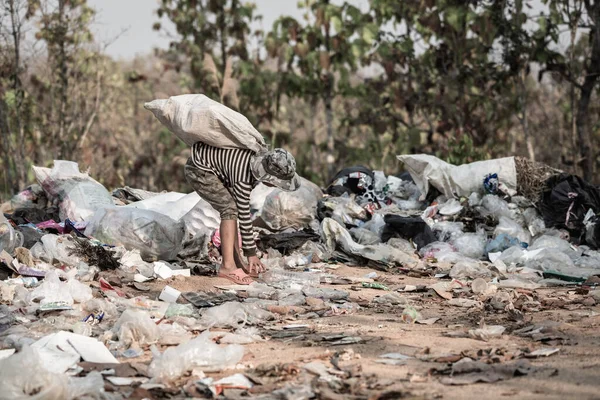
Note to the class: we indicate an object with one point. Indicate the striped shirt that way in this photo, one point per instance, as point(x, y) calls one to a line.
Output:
point(232, 167)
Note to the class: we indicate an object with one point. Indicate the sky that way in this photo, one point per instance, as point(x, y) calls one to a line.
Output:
point(127, 24)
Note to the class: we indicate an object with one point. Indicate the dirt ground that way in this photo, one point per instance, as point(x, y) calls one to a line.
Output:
point(571, 373)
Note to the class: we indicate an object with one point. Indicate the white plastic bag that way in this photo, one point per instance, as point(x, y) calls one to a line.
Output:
point(135, 327)
point(154, 234)
point(199, 352)
point(53, 247)
point(22, 376)
point(78, 194)
point(197, 118)
point(52, 290)
point(511, 228)
point(470, 245)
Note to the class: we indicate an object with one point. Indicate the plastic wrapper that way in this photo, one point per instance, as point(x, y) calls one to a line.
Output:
point(470, 270)
point(240, 336)
point(436, 250)
point(471, 245)
point(296, 210)
point(136, 328)
point(78, 194)
point(80, 292)
point(200, 352)
point(446, 230)
point(22, 376)
point(399, 189)
point(154, 234)
point(380, 183)
point(511, 228)
point(364, 236)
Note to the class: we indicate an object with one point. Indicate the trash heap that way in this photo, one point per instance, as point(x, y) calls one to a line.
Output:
point(78, 265)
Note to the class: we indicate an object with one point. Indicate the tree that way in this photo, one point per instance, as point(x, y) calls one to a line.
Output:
point(578, 16)
point(70, 92)
point(318, 55)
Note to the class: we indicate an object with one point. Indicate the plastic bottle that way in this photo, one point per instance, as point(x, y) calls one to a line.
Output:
point(288, 278)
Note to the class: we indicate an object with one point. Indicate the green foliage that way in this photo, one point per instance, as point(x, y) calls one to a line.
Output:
point(461, 150)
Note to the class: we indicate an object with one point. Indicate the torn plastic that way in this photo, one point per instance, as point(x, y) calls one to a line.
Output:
point(78, 194)
point(447, 230)
point(364, 236)
point(200, 352)
point(494, 206)
point(154, 234)
point(52, 290)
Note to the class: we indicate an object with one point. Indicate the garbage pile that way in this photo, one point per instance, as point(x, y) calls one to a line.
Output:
point(78, 262)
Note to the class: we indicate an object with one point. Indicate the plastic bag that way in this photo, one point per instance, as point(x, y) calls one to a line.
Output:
point(197, 118)
point(511, 228)
point(154, 234)
point(451, 207)
point(258, 196)
point(52, 247)
point(495, 206)
point(79, 195)
point(501, 243)
point(199, 352)
point(345, 210)
point(52, 290)
point(551, 242)
point(90, 386)
point(136, 327)
point(22, 376)
point(78, 291)
point(471, 245)
point(283, 210)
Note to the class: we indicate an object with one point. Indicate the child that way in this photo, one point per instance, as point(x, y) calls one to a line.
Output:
point(225, 177)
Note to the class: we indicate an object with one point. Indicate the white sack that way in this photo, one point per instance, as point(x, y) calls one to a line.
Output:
point(195, 212)
point(457, 181)
point(196, 118)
